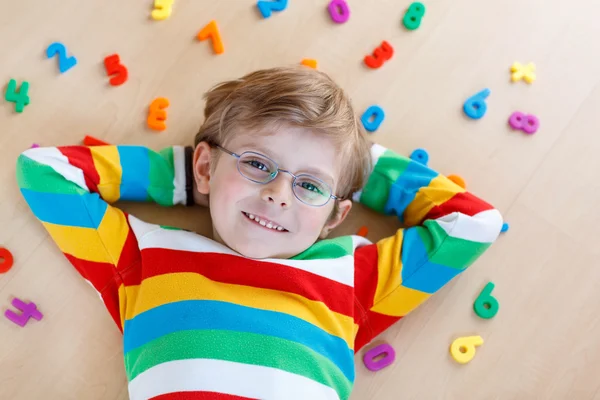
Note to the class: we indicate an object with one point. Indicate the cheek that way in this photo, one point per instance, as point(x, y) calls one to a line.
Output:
point(228, 187)
point(313, 220)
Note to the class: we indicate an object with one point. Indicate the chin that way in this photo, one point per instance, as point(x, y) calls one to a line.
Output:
point(256, 252)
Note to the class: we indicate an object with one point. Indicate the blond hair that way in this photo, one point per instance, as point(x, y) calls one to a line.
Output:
point(298, 96)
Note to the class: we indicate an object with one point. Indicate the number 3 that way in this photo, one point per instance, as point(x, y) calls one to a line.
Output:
point(380, 55)
point(162, 9)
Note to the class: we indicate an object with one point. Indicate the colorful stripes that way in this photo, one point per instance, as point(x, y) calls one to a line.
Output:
point(250, 273)
point(204, 315)
point(201, 321)
point(239, 347)
point(227, 377)
point(158, 290)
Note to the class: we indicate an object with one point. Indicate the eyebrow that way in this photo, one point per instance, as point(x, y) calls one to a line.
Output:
point(309, 170)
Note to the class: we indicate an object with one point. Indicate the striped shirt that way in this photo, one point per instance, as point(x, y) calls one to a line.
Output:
point(200, 321)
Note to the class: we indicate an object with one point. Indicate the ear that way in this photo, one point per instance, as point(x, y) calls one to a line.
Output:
point(344, 207)
point(201, 167)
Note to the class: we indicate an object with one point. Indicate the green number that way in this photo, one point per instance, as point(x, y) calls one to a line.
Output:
point(486, 305)
point(20, 98)
point(412, 18)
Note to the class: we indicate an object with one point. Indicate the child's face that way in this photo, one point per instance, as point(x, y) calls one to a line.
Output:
point(232, 197)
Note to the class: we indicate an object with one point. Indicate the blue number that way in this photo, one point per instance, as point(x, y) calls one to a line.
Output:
point(372, 118)
point(475, 106)
point(64, 63)
point(265, 7)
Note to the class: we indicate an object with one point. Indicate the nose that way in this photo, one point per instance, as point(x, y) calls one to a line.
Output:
point(278, 191)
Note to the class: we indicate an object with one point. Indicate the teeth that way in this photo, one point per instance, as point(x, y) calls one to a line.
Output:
point(264, 223)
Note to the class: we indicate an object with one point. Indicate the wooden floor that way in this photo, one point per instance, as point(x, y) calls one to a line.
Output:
point(544, 342)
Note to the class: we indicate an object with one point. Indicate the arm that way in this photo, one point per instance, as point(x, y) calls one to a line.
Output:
point(69, 189)
point(446, 230)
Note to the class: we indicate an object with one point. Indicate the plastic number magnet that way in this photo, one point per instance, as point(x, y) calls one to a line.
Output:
point(114, 67)
point(157, 115)
point(267, 7)
point(27, 311)
point(309, 62)
point(92, 141)
point(486, 306)
point(413, 16)
point(64, 63)
point(475, 106)
point(6, 260)
point(420, 155)
point(524, 122)
point(458, 180)
point(463, 349)
point(20, 98)
point(505, 227)
point(380, 55)
point(339, 11)
point(372, 118)
point(385, 350)
point(525, 72)
point(211, 30)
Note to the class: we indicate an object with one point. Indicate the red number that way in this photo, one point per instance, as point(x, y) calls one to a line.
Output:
point(380, 55)
point(114, 67)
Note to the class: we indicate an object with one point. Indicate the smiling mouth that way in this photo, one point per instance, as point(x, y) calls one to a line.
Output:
point(265, 223)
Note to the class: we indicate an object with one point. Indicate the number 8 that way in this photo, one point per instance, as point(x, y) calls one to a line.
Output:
point(412, 18)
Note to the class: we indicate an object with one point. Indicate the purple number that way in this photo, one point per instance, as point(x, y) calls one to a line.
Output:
point(339, 11)
point(526, 123)
point(385, 350)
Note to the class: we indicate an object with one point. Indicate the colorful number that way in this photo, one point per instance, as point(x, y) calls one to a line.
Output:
point(463, 349)
point(458, 180)
point(92, 141)
point(380, 55)
point(525, 72)
point(486, 306)
point(505, 227)
point(372, 118)
point(64, 63)
point(475, 106)
point(420, 155)
point(157, 115)
point(339, 11)
point(385, 355)
point(266, 7)
point(6, 260)
point(413, 16)
point(524, 122)
point(211, 30)
point(309, 62)
point(27, 311)
point(20, 98)
point(162, 9)
point(114, 67)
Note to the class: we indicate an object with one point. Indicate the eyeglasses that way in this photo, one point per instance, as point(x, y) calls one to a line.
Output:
point(261, 169)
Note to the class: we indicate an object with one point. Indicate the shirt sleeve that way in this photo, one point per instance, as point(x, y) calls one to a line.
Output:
point(70, 189)
point(445, 229)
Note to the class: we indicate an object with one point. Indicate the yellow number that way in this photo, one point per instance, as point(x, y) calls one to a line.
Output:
point(162, 9)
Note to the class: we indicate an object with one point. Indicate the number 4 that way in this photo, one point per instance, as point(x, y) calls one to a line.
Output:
point(20, 98)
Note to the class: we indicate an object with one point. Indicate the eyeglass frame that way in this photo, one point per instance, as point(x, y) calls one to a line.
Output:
point(277, 170)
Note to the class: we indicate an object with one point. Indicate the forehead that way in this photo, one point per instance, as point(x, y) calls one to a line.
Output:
point(297, 149)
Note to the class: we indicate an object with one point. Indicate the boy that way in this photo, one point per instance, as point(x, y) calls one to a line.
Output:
point(263, 311)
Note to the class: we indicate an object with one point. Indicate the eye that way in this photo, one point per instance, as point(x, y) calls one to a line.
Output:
point(311, 187)
point(258, 165)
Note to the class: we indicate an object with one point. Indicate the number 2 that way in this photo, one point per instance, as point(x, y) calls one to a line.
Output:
point(64, 63)
point(266, 7)
point(380, 55)
point(162, 9)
